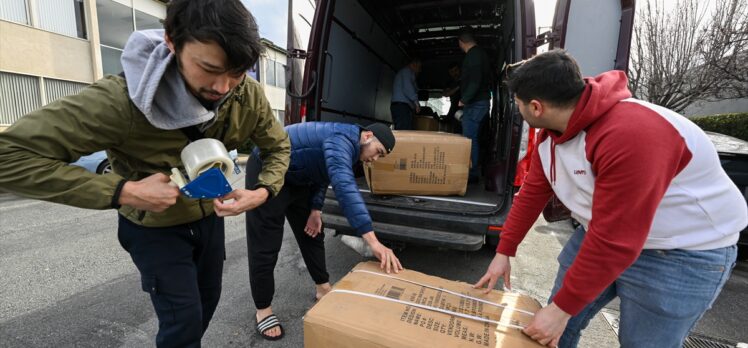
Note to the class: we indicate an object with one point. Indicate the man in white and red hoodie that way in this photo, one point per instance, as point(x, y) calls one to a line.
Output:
point(659, 216)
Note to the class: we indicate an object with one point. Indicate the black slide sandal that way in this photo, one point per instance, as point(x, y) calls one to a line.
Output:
point(268, 323)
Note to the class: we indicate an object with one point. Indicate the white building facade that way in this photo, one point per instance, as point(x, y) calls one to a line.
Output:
point(53, 48)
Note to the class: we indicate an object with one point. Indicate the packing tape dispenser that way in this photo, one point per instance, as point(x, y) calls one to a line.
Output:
point(207, 164)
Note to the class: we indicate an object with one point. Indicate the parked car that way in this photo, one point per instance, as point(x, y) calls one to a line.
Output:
point(343, 62)
point(733, 154)
point(98, 163)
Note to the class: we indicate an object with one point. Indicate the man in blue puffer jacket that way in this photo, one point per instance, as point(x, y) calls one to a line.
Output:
point(322, 153)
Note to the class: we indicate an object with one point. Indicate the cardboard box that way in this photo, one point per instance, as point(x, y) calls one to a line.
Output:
point(368, 316)
point(422, 163)
point(425, 123)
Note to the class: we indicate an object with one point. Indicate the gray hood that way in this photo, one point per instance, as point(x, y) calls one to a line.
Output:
point(156, 86)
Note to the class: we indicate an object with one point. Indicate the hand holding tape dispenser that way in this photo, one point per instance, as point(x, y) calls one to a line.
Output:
point(208, 165)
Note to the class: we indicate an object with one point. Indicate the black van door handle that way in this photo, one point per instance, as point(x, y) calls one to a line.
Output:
point(307, 92)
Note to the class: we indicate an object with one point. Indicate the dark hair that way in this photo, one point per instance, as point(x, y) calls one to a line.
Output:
point(466, 35)
point(225, 22)
point(552, 77)
point(453, 65)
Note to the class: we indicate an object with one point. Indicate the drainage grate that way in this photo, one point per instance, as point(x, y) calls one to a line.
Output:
point(695, 340)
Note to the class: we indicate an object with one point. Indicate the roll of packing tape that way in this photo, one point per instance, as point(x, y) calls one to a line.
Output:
point(204, 154)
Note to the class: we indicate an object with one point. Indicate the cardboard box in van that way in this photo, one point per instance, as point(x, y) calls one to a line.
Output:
point(422, 163)
point(368, 308)
point(425, 123)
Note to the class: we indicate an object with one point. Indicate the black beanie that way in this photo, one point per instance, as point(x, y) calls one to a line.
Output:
point(383, 134)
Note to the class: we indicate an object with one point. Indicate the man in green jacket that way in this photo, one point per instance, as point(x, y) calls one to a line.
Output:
point(189, 76)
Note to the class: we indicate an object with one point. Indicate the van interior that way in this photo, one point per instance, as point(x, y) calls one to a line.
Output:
point(370, 40)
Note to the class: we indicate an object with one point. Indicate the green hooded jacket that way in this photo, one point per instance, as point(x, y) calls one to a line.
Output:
point(35, 150)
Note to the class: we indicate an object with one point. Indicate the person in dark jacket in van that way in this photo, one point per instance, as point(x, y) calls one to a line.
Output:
point(475, 89)
point(453, 92)
point(322, 153)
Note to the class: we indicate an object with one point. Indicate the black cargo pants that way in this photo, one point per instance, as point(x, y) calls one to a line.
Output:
point(265, 236)
point(181, 268)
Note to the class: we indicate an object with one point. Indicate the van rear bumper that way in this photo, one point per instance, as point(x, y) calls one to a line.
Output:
point(415, 235)
point(452, 231)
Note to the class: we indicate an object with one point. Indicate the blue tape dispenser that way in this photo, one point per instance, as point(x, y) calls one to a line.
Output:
point(207, 164)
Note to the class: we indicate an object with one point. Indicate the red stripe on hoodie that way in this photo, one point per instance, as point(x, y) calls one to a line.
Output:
point(634, 153)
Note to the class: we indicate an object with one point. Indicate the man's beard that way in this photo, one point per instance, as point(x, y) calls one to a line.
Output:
point(363, 147)
point(199, 93)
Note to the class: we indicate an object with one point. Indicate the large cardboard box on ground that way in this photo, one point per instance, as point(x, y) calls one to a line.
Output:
point(422, 163)
point(367, 309)
point(426, 123)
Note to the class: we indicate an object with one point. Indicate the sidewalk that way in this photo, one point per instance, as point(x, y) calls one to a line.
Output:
point(534, 271)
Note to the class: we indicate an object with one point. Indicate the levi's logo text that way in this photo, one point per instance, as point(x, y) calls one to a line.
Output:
point(580, 172)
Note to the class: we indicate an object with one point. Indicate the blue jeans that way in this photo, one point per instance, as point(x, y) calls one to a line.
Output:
point(472, 115)
point(663, 294)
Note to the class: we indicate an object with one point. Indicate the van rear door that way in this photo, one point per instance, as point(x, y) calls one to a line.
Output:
point(597, 33)
point(301, 19)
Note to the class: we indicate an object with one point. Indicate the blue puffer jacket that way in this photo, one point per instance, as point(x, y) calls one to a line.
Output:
point(324, 153)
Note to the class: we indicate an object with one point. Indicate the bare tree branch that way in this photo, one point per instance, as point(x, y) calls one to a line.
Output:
point(689, 53)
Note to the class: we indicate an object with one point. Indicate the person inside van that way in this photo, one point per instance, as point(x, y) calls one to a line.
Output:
point(405, 95)
point(647, 188)
point(322, 154)
point(189, 76)
point(475, 89)
point(453, 92)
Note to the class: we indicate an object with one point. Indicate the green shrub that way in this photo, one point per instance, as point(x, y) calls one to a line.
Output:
point(735, 125)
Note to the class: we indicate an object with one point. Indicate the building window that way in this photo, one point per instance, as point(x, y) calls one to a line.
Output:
point(19, 95)
point(270, 72)
point(110, 60)
point(66, 17)
point(14, 11)
point(116, 23)
point(115, 26)
point(56, 89)
point(63, 17)
point(145, 21)
point(254, 71)
point(275, 74)
point(280, 75)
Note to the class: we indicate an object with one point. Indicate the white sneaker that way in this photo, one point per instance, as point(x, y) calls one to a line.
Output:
point(357, 244)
